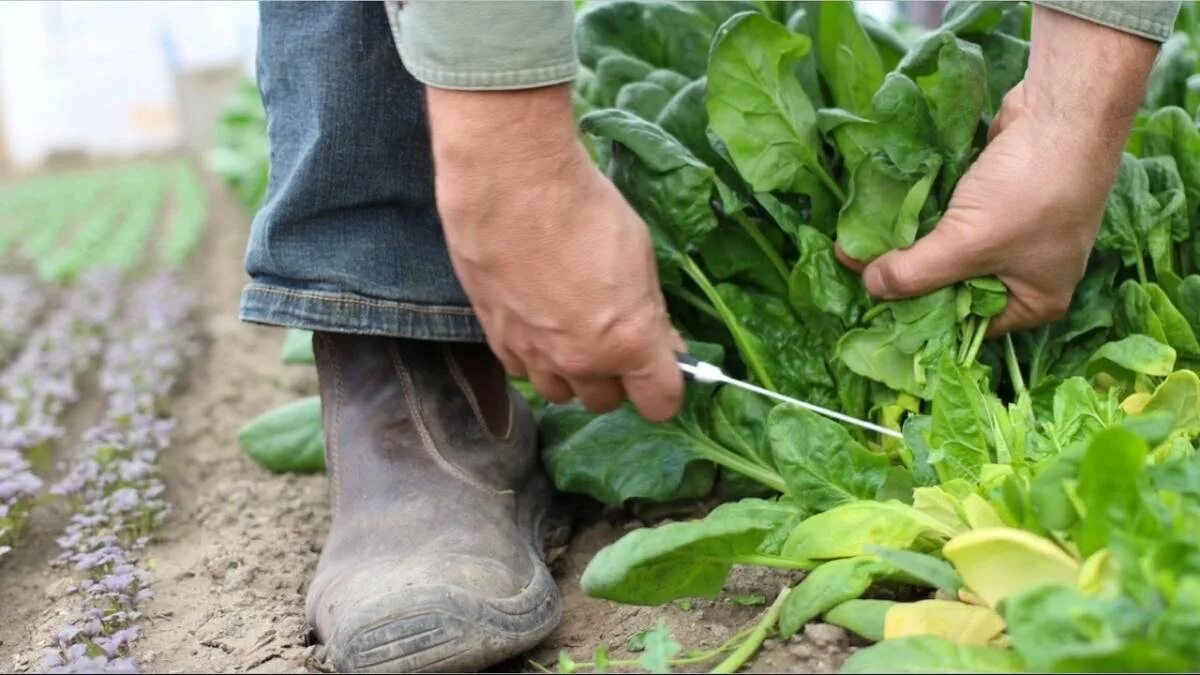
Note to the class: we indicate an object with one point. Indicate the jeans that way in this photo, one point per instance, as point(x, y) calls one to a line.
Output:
point(349, 239)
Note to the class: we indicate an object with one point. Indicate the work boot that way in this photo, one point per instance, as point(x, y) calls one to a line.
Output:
point(433, 562)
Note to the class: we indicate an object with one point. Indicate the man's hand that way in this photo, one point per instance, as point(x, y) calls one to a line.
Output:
point(558, 267)
point(1028, 210)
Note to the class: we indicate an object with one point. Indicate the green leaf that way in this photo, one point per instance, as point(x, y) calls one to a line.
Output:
point(861, 617)
point(847, 58)
point(663, 35)
point(826, 587)
point(874, 354)
point(611, 74)
point(1108, 487)
point(739, 422)
point(821, 463)
point(620, 456)
point(954, 81)
point(1171, 131)
point(288, 439)
point(1006, 59)
point(1136, 354)
point(684, 559)
point(297, 347)
point(931, 571)
point(644, 99)
point(881, 212)
point(665, 183)
point(748, 600)
point(848, 530)
point(819, 283)
point(1056, 628)
point(660, 648)
point(931, 655)
point(758, 108)
point(1129, 213)
point(959, 438)
point(791, 353)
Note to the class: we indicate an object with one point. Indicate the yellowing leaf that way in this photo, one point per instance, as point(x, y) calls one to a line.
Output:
point(980, 514)
point(997, 563)
point(954, 621)
point(1135, 402)
point(1098, 576)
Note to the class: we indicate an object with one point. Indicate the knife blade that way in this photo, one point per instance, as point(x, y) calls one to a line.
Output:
point(700, 371)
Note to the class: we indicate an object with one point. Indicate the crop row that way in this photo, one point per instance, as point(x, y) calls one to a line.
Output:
point(64, 225)
point(115, 484)
point(37, 387)
point(21, 301)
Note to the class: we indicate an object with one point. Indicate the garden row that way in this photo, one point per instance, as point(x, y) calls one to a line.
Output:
point(61, 224)
point(101, 295)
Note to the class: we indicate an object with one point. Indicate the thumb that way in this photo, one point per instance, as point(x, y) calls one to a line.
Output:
point(938, 259)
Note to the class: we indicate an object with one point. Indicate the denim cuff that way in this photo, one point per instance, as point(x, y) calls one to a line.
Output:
point(1152, 19)
point(277, 305)
point(486, 44)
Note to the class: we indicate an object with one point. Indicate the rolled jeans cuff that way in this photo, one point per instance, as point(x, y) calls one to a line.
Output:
point(275, 304)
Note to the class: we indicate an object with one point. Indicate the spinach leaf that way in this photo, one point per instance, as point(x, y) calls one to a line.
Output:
point(820, 284)
point(792, 353)
point(882, 212)
point(861, 617)
point(668, 186)
point(1133, 355)
point(821, 463)
point(1108, 487)
point(685, 559)
point(644, 99)
point(954, 81)
point(931, 655)
point(959, 435)
point(288, 439)
point(847, 58)
point(826, 587)
point(760, 111)
point(850, 529)
point(663, 35)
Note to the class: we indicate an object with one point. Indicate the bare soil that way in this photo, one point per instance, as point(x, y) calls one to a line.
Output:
point(233, 559)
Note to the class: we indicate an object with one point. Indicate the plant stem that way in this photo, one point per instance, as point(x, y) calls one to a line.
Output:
point(719, 454)
point(694, 300)
point(965, 340)
point(742, 654)
point(1014, 368)
point(765, 246)
point(980, 332)
point(778, 562)
point(1141, 268)
point(830, 183)
point(749, 354)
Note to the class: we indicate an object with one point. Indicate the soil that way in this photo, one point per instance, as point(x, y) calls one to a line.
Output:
point(232, 561)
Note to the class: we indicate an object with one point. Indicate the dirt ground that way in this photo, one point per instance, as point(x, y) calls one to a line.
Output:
point(232, 561)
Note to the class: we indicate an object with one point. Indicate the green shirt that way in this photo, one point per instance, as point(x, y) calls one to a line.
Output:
point(516, 44)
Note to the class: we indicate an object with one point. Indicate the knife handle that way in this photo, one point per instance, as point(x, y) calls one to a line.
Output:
point(686, 360)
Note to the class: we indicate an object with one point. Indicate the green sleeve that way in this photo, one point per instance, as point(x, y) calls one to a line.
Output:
point(486, 44)
point(1151, 19)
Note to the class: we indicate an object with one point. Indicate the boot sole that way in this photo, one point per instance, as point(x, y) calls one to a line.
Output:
point(445, 629)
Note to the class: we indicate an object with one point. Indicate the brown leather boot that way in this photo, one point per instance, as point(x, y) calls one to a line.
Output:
point(433, 561)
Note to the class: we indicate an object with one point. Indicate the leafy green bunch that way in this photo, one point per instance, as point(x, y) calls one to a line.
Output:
point(749, 138)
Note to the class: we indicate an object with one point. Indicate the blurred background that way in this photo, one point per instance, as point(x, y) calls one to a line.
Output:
point(100, 79)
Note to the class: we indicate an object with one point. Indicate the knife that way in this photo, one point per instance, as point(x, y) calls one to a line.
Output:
point(695, 370)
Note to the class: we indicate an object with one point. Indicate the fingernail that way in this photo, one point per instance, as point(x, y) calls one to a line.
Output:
point(873, 278)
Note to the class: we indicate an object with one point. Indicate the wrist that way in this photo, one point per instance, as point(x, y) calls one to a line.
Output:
point(483, 131)
point(1085, 81)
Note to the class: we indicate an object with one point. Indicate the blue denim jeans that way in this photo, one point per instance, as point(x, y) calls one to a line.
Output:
point(349, 239)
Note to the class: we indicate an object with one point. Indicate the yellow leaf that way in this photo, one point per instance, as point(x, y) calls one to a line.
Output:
point(954, 621)
point(996, 563)
point(1098, 576)
point(1134, 403)
point(980, 514)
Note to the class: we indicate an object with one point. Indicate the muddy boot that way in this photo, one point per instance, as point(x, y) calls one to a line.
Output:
point(439, 507)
